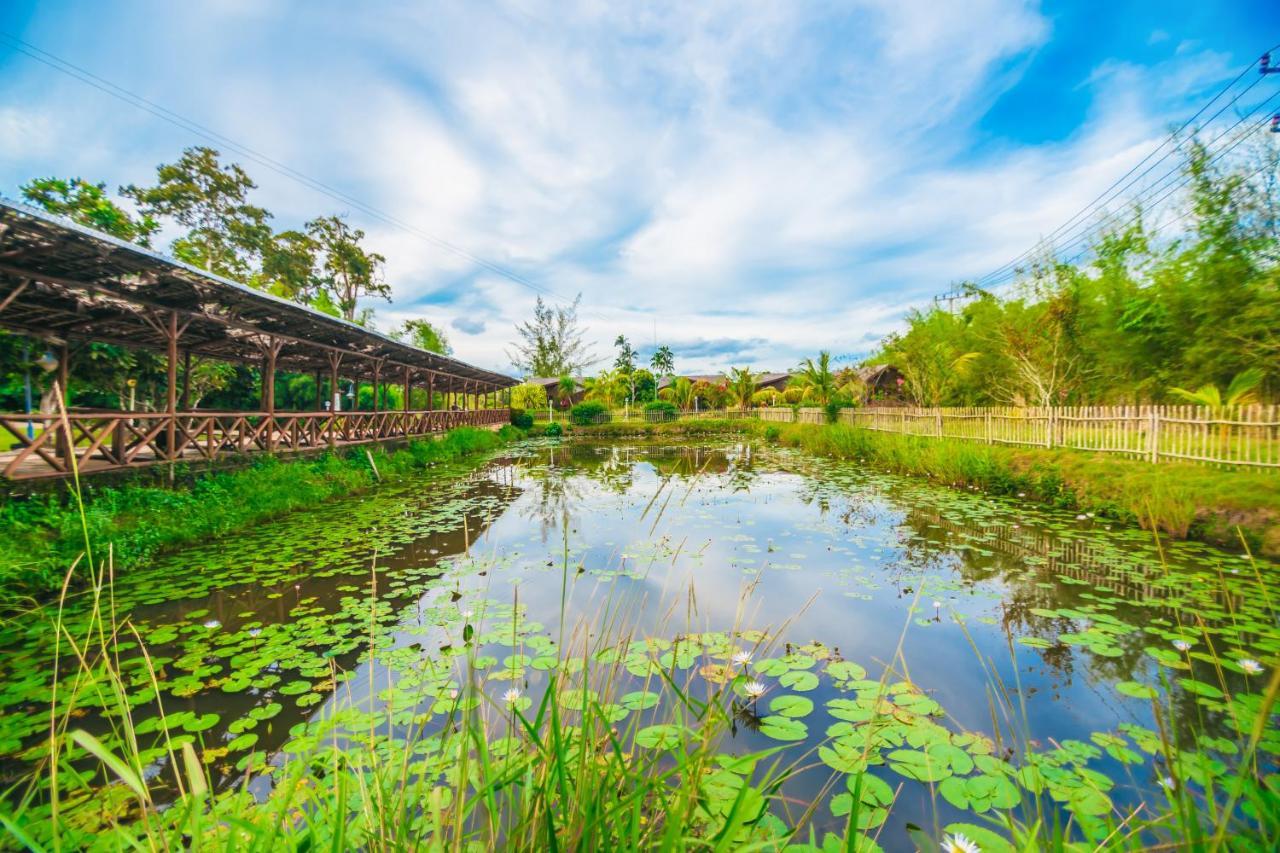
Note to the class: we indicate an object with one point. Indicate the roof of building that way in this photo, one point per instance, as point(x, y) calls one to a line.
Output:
point(61, 281)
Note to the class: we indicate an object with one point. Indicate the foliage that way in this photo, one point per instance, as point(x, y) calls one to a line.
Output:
point(660, 410)
point(528, 395)
point(1144, 315)
point(88, 204)
point(1242, 391)
point(43, 533)
point(553, 430)
point(349, 271)
point(741, 387)
point(625, 364)
point(767, 397)
point(551, 344)
point(680, 392)
point(608, 389)
point(521, 419)
point(424, 335)
point(663, 361)
point(566, 387)
point(588, 412)
point(225, 234)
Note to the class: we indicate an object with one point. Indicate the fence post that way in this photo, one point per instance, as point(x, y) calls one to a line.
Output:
point(1153, 435)
point(986, 419)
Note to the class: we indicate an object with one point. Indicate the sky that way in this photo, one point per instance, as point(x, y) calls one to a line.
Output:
point(747, 183)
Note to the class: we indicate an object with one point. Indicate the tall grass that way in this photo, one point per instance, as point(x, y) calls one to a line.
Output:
point(45, 533)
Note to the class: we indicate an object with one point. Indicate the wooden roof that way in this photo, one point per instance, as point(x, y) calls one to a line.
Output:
point(62, 282)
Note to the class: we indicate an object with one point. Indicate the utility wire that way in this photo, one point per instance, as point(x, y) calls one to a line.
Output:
point(1104, 198)
point(165, 114)
point(1163, 187)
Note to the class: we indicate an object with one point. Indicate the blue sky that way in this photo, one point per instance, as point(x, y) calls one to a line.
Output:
point(748, 182)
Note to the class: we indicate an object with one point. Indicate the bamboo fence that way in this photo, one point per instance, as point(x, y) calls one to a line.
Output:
point(1244, 436)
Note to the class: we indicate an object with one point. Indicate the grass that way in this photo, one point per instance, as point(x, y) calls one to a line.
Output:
point(1179, 499)
point(486, 771)
point(46, 533)
point(566, 770)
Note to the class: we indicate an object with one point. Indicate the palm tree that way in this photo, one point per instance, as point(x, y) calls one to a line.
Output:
point(565, 388)
point(1243, 391)
point(742, 385)
point(680, 393)
point(663, 361)
point(816, 380)
point(606, 388)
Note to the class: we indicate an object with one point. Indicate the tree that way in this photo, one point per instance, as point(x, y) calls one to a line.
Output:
point(625, 363)
point(528, 396)
point(566, 387)
point(742, 387)
point(88, 205)
point(349, 271)
point(225, 233)
point(816, 379)
point(289, 267)
point(423, 335)
point(551, 344)
point(663, 361)
point(1243, 391)
point(609, 388)
point(680, 392)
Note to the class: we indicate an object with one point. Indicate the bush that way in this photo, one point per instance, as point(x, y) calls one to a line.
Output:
point(772, 433)
point(660, 410)
point(585, 414)
point(522, 419)
point(554, 430)
point(528, 396)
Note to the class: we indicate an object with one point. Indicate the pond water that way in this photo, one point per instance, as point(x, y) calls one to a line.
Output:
point(1030, 626)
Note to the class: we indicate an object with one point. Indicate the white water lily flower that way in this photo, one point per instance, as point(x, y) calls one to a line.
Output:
point(1022, 494)
point(1081, 517)
point(754, 689)
point(253, 632)
point(1250, 666)
point(511, 697)
point(742, 658)
point(467, 614)
point(1181, 645)
point(213, 623)
point(960, 843)
point(937, 605)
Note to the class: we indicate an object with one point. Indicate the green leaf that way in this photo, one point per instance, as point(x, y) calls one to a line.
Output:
point(791, 706)
point(917, 765)
point(1136, 690)
point(783, 728)
point(799, 679)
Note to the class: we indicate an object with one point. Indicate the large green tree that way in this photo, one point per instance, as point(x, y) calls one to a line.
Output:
point(89, 205)
point(349, 272)
point(424, 335)
point(552, 343)
point(225, 233)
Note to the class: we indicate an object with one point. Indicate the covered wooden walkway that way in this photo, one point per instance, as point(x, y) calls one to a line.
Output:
point(68, 286)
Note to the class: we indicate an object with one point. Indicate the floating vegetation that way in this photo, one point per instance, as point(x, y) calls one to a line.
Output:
point(559, 644)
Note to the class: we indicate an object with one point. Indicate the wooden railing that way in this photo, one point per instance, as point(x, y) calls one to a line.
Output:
point(108, 441)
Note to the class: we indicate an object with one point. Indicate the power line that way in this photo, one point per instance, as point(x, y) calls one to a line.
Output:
point(1107, 195)
point(167, 115)
point(1162, 187)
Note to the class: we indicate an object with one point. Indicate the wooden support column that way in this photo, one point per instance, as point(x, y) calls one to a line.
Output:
point(171, 391)
point(431, 392)
point(408, 387)
point(319, 394)
point(270, 351)
point(63, 445)
point(335, 360)
point(377, 379)
point(185, 402)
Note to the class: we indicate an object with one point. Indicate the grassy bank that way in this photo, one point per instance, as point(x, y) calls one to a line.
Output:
point(1182, 500)
point(45, 534)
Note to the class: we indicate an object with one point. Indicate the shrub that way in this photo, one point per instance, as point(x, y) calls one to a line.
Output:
point(554, 430)
point(660, 410)
point(588, 413)
point(528, 396)
point(522, 419)
point(772, 433)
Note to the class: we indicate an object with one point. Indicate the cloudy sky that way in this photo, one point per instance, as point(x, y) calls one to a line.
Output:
point(747, 182)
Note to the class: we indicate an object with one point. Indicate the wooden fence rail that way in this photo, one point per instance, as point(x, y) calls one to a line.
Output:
point(1244, 436)
point(109, 441)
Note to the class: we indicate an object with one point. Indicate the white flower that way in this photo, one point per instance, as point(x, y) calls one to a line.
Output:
point(253, 632)
point(960, 844)
point(937, 605)
point(741, 658)
point(467, 614)
point(754, 689)
point(1167, 783)
point(1081, 517)
point(1250, 666)
point(1022, 494)
point(213, 623)
point(511, 697)
point(1181, 645)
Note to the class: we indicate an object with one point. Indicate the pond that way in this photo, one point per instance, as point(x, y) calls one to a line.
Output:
point(991, 626)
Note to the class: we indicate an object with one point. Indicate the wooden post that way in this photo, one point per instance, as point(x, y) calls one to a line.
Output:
point(431, 391)
point(64, 445)
point(185, 403)
point(1153, 435)
point(269, 390)
point(335, 359)
point(171, 392)
point(377, 379)
point(408, 388)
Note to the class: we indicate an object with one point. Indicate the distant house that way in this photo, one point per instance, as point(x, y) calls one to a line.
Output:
point(763, 380)
point(551, 384)
point(884, 383)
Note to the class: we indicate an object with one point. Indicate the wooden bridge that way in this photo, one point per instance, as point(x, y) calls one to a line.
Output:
point(67, 286)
